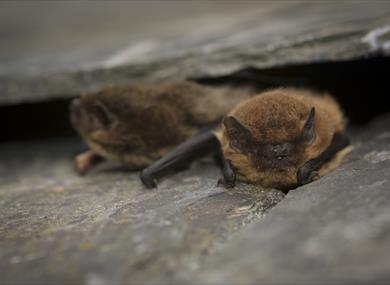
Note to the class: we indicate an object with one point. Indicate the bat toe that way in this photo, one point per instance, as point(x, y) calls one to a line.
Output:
point(305, 175)
point(226, 183)
point(148, 180)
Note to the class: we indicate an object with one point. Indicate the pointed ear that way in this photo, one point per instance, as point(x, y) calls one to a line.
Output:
point(308, 131)
point(104, 115)
point(240, 137)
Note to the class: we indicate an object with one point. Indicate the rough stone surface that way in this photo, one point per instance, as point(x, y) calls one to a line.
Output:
point(56, 227)
point(193, 44)
point(335, 230)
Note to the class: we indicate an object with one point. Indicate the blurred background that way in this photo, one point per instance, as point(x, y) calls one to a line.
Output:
point(44, 36)
point(52, 51)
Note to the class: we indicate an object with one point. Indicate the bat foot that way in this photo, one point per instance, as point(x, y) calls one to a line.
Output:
point(226, 182)
point(147, 179)
point(85, 161)
point(229, 176)
point(305, 175)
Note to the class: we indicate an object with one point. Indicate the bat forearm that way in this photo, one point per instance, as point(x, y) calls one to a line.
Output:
point(228, 179)
point(185, 153)
point(308, 171)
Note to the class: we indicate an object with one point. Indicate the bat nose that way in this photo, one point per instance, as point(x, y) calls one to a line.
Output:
point(280, 151)
point(75, 106)
point(76, 112)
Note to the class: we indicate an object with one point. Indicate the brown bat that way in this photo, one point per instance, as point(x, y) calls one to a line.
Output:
point(281, 138)
point(136, 124)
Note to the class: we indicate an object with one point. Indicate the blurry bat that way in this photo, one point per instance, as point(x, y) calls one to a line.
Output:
point(280, 139)
point(136, 124)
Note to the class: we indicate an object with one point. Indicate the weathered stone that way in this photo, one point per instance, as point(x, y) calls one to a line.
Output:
point(262, 35)
point(335, 230)
point(56, 227)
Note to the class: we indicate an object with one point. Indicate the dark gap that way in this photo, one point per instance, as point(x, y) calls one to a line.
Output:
point(39, 120)
point(361, 86)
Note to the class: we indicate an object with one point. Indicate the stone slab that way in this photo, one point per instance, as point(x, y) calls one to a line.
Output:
point(333, 231)
point(194, 44)
point(58, 228)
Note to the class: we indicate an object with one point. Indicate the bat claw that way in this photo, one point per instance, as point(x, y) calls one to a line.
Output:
point(305, 175)
point(228, 179)
point(148, 180)
point(226, 183)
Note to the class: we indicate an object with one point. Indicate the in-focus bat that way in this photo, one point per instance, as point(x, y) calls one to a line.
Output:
point(136, 124)
point(281, 139)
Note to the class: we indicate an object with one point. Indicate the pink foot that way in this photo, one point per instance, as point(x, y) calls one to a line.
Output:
point(85, 161)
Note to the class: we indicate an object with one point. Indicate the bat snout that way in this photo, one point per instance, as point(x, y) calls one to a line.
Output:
point(78, 116)
point(75, 111)
point(75, 106)
point(280, 151)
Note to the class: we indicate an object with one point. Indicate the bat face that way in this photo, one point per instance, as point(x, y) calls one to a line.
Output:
point(268, 149)
point(275, 155)
point(92, 119)
point(270, 153)
point(110, 127)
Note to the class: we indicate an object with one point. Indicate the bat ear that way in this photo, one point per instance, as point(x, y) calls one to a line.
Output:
point(104, 115)
point(308, 131)
point(239, 135)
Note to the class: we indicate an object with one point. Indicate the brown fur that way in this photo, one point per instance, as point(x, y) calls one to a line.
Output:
point(278, 116)
point(149, 119)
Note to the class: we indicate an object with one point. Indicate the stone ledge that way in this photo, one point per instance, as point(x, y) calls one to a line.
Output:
point(251, 43)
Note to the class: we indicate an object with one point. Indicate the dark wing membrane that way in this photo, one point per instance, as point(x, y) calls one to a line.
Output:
point(305, 172)
point(194, 148)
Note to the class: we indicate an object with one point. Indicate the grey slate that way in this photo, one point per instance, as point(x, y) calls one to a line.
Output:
point(333, 231)
point(199, 41)
point(56, 227)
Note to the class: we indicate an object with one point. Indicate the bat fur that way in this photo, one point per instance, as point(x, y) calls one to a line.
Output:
point(136, 124)
point(270, 136)
point(281, 138)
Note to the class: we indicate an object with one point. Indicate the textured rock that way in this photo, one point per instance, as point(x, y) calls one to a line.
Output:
point(258, 35)
point(335, 230)
point(56, 227)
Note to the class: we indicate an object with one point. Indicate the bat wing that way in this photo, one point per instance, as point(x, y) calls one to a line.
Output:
point(194, 148)
point(309, 169)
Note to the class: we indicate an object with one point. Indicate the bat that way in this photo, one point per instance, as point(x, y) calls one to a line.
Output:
point(138, 123)
point(282, 138)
